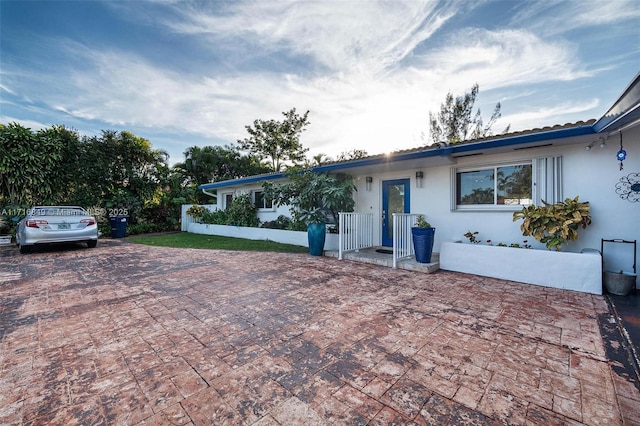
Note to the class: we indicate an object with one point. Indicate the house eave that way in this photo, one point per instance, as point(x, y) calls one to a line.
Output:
point(241, 181)
point(624, 113)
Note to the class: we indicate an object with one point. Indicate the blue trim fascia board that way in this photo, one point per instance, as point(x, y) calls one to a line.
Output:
point(241, 181)
point(524, 139)
point(625, 104)
point(432, 152)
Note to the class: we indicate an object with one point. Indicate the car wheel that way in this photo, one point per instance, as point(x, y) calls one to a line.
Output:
point(25, 249)
point(92, 243)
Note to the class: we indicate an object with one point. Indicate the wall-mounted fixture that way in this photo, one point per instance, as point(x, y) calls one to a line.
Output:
point(419, 177)
point(603, 142)
point(369, 181)
point(622, 154)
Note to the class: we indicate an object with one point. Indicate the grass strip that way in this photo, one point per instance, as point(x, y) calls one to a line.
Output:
point(199, 241)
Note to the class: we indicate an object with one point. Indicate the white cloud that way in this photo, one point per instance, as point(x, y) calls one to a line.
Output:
point(340, 35)
point(553, 18)
point(361, 91)
point(540, 117)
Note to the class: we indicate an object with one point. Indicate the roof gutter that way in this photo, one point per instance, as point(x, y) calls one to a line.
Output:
point(625, 112)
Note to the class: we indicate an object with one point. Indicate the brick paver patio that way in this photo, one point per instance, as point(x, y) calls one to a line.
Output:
point(129, 334)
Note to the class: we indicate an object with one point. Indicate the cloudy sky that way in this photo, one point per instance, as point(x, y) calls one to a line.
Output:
point(195, 73)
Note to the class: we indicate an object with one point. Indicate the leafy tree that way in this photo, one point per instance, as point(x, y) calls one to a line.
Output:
point(217, 163)
point(121, 171)
point(354, 154)
point(36, 167)
point(277, 141)
point(454, 123)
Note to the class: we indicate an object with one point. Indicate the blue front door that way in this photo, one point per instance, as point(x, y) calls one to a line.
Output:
point(395, 199)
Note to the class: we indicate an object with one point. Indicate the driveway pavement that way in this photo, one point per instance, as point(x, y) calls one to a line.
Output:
point(130, 334)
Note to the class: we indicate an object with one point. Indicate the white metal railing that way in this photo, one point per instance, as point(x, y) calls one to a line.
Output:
point(402, 240)
point(356, 232)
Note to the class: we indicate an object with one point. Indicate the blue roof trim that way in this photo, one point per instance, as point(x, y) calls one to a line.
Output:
point(462, 148)
point(241, 181)
point(625, 110)
point(498, 142)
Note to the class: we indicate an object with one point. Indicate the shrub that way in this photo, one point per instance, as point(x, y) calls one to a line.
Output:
point(242, 212)
point(282, 222)
point(554, 224)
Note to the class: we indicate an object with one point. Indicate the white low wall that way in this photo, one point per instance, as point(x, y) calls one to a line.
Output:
point(570, 271)
point(298, 238)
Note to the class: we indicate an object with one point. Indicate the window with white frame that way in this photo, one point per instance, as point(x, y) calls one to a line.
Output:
point(506, 186)
point(260, 202)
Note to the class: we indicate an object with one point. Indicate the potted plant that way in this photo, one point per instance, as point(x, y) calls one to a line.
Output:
point(423, 236)
point(554, 224)
point(313, 199)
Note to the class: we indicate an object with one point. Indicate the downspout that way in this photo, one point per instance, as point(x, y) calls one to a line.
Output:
point(210, 194)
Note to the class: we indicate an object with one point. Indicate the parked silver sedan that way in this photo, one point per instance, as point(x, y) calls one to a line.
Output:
point(56, 224)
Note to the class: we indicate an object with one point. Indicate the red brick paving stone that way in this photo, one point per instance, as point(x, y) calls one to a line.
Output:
point(499, 403)
point(393, 366)
point(331, 410)
point(390, 417)
point(125, 405)
point(208, 407)
point(87, 413)
point(157, 386)
point(538, 416)
point(556, 358)
point(188, 383)
point(597, 412)
point(561, 385)
point(364, 404)
point(295, 412)
point(434, 381)
point(266, 421)
point(441, 411)
point(567, 407)
point(172, 415)
point(351, 372)
point(377, 387)
point(319, 387)
point(407, 397)
point(11, 413)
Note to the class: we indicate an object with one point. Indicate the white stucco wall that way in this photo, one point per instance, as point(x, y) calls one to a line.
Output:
point(569, 271)
point(298, 238)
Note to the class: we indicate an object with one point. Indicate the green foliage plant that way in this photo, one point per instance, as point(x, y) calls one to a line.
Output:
point(282, 222)
point(554, 224)
point(242, 212)
point(471, 236)
point(421, 222)
point(196, 212)
point(311, 196)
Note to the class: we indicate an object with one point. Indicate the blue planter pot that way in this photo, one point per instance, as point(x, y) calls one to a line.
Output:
point(423, 243)
point(316, 233)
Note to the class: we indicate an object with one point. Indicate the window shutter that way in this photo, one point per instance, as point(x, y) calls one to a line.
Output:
point(547, 180)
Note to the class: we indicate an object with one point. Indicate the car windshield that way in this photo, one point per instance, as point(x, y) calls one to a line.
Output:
point(58, 211)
